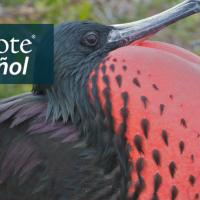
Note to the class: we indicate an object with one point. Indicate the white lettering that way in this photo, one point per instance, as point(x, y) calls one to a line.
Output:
point(12, 66)
point(25, 65)
point(7, 45)
point(13, 45)
point(5, 67)
point(22, 44)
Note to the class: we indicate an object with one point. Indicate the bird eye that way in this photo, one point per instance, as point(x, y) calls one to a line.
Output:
point(91, 38)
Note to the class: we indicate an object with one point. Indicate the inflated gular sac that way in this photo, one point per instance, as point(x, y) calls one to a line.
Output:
point(162, 117)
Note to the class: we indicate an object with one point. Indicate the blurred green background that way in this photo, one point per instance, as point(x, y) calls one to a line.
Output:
point(185, 33)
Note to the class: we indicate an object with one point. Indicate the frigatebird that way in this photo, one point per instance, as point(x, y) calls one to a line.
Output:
point(119, 122)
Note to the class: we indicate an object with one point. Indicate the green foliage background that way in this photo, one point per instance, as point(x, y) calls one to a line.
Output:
point(184, 33)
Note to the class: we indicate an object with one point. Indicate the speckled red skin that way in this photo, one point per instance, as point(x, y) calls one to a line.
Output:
point(175, 72)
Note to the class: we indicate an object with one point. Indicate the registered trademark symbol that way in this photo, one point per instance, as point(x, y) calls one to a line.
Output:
point(33, 36)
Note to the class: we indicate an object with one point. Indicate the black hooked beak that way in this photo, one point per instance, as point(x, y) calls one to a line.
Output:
point(137, 32)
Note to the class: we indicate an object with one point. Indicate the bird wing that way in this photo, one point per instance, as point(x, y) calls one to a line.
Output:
point(44, 160)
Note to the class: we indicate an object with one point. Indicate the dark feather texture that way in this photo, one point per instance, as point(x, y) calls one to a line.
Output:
point(112, 67)
point(181, 145)
point(183, 122)
point(103, 68)
point(124, 67)
point(138, 71)
point(174, 192)
point(157, 183)
point(155, 87)
point(192, 157)
point(165, 137)
point(161, 108)
point(156, 156)
point(119, 80)
point(138, 143)
point(106, 80)
point(172, 168)
point(139, 187)
point(145, 126)
point(192, 179)
point(58, 142)
point(145, 100)
point(33, 158)
point(136, 82)
point(81, 154)
point(139, 168)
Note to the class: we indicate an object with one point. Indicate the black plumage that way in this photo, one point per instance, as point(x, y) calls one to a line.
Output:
point(192, 179)
point(124, 96)
point(157, 183)
point(192, 157)
point(161, 108)
point(103, 68)
point(144, 100)
point(181, 146)
point(183, 122)
point(124, 67)
point(140, 164)
point(156, 156)
point(172, 168)
point(165, 136)
point(112, 67)
point(95, 93)
point(139, 187)
point(104, 61)
point(106, 94)
point(106, 80)
point(155, 87)
point(174, 192)
point(56, 145)
point(145, 126)
point(119, 80)
point(139, 168)
point(138, 143)
point(124, 113)
point(108, 58)
point(136, 82)
point(138, 71)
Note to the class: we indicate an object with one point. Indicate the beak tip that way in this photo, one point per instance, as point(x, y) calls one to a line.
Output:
point(136, 32)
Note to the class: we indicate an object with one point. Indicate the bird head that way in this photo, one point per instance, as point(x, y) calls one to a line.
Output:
point(79, 46)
